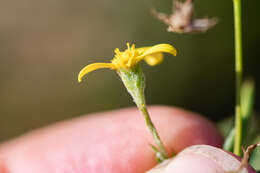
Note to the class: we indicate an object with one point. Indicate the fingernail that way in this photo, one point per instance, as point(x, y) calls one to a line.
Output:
point(200, 159)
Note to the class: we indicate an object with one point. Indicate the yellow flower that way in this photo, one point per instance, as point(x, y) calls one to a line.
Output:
point(131, 57)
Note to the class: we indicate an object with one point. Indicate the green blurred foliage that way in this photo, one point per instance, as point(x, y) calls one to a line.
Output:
point(252, 137)
point(255, 156)
point(44, 44)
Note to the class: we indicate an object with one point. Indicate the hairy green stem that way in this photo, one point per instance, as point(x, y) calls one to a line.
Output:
point(134, 81)
point(153, 131)
point(238, 70)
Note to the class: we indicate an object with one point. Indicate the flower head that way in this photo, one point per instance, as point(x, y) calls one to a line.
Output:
point(130, 57)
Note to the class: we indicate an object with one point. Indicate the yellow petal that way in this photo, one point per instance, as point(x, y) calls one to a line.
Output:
point(159, 48)
point(92, 67)
point(154, 59)
point(142, 49)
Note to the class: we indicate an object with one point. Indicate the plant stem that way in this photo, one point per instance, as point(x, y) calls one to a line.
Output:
point(238, 70)
point(134, 81)
point(154, 132)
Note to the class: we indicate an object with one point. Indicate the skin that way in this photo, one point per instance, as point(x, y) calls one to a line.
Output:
point(109, 142)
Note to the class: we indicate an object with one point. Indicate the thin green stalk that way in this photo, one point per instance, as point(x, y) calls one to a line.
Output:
point(238, 70)
point(154, 132)
point(134, 81)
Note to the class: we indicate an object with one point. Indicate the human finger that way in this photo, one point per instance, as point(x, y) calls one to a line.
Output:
point(115, 141)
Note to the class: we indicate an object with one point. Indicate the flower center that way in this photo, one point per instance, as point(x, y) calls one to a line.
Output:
point(125, 59)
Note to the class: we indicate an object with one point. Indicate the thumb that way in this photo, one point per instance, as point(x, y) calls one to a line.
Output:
point(202, 159)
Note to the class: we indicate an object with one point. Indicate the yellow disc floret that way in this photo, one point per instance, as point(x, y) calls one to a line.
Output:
point(125, 59)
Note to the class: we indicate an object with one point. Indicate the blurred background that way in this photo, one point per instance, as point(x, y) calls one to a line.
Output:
point(44, 44)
